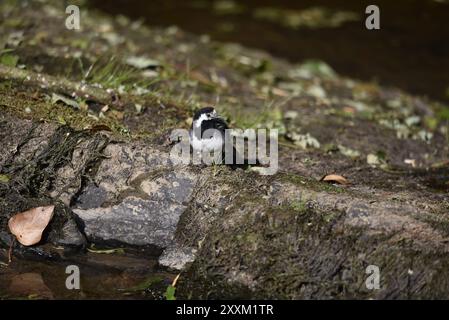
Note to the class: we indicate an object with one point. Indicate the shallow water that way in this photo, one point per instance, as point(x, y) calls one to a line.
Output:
point(102, 276)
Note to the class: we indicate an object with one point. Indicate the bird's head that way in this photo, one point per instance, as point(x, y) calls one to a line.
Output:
point(207, 113)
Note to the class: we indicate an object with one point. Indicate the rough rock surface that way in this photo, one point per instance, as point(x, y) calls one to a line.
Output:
point(134, 221)
point(177, 258)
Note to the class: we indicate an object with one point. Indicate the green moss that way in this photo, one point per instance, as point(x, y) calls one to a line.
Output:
point(9, 60)
point(6, 85)
point(25, 107)
point(298, 206)
point(310, 183)
point(259, 239)
point(443, 114)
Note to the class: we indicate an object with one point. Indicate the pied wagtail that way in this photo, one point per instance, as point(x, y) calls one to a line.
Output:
point(207, 118)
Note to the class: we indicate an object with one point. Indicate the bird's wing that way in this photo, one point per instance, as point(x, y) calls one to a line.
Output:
point(217, 123)
point(221, 124)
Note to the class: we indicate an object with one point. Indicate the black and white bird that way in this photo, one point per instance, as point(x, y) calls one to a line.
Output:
point(204, 119)
point(207, 118)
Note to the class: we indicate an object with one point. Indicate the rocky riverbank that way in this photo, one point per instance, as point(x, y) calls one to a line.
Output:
point(84, 124)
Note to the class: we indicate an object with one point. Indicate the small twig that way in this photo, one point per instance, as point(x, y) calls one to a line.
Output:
point(10, 250)
point(175, 280)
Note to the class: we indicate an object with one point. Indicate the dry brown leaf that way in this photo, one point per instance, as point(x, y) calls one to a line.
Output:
point(335, 178)
point(28, 226)
point(280, 92)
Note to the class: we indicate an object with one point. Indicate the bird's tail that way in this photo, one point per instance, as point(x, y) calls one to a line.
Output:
point(240, 162)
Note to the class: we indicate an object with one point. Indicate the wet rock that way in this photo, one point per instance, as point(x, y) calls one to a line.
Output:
point(324, 236)
point(91, 197)
point(22, 139)
point(85, 154)
point(70, 236)
point(6, 238)
point(148, 197)
point(134, 221)
point(12, 132)
point(177, 258)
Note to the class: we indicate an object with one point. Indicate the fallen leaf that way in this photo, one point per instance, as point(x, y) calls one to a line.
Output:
point(170, 293)
point(280, 92)
point(411, 162)
point(316, 91)
point(9, 60)
point(290, 114)
point(373, 159)
point(303, 140)
point(348, 152)
point(138, 107)
point(262, 170)
point(335, 178)
point(312, 68)
point(15, 38)
point(105, 109)
point(142, 62)
point(6, 51)
point(59, 98)
point(107, 251)
point(4, 178)
point(28, 226)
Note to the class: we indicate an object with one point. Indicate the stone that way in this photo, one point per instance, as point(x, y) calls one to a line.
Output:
point(134, 221)
point(177, 258)
point(70, 235)
point(91, 197)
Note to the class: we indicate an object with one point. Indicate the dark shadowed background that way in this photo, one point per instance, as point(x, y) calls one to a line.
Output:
point(411, 51)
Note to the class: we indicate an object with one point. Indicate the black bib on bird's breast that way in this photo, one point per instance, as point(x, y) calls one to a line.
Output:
point(217, 124)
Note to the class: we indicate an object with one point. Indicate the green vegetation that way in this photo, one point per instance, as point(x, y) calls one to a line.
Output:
point(145, 284)
point(269, 117)
point(170, 293)
point(7, 58)
point(111, 73)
